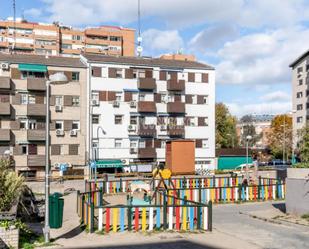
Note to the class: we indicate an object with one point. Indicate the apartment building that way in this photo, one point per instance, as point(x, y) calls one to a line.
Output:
point(55, 39)
point(300, 91)
point(137, 104)
point(23, 112)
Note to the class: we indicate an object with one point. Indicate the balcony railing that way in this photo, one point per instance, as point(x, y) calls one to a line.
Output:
point(146, 106)
point(147, 153)
point(36, 110)
point(176, 130)
point(147, 130)
point(36, 135)
point(5, 135)
point(5, 83)
point(36, 84)
point(146, 83)
point(174, 85)
point(36, 160)
point(176, 107)
point(5, 108)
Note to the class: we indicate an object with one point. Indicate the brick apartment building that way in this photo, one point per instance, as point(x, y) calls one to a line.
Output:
point(55, 39)
point(140, 103)
point(22, 112)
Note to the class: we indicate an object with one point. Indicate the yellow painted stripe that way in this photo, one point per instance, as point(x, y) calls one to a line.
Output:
point(266, 192)
point(143, 219)
point(228, 193)
point(184, 218)
point(115, 219)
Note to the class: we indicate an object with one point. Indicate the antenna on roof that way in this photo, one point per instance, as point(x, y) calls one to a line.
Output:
point(139, 48)
point(14, 18)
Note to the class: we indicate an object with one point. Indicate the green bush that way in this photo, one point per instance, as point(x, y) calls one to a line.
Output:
point(301, 165)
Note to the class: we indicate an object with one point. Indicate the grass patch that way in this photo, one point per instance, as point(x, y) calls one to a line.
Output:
point(305, 216)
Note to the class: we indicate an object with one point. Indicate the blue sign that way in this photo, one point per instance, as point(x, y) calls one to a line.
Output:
point(63, 167)
point(93, 164)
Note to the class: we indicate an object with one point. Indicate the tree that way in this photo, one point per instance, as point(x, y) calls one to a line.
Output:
point(280, 137)
point(11, 185)
point(226, 136)
point(303, 144)
point(249, 130)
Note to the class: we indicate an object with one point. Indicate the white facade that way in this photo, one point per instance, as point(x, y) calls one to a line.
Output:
point(119, 119)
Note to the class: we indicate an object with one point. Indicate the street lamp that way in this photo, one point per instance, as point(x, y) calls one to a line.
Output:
point(57, 78)
point(96, 151)
point(248, 138)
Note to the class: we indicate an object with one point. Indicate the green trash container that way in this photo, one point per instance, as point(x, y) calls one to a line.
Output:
point(56, 204)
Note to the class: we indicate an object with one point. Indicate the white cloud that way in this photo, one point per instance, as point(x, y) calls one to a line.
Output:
point(239, 110)
point(181, 13)
point(276, 96)
point(261, 58)
point(156, 40)
point(33, 12)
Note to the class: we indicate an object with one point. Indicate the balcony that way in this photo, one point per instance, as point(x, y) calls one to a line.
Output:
point(174, 85)
point(176, 130)
point(146, 106)
point(5, 83)
point(35, 160)
point(36, 135)
point(5, 108)
point(176, 107)
point(5, 135)
point(36, 84)
point(146, 83)
point(147, 153)
point(36, 110)
point(147, 131)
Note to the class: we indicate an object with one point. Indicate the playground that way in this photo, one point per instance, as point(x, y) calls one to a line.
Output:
point(166, 202)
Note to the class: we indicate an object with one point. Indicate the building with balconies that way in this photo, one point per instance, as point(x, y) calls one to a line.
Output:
point(138, 104)
point(23, 112)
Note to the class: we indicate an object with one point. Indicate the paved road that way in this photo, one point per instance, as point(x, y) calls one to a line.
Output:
point(231, 230)
point(234, 220)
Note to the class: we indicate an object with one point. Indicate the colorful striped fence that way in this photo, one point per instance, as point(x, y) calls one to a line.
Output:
point(184, 215)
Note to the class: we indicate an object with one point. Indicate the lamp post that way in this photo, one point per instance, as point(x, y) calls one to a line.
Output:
point(96, 151)
point(248, 138)
point(57, 78)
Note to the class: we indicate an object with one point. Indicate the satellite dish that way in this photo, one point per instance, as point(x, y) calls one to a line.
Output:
point(7, 153)
point(139, 49)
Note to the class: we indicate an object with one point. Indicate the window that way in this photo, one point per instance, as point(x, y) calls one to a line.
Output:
point(59, 125)
point(307, 105)
point(192, 121)
point(133, 143)
point(141, 74)
point(134, 96)
point(118, 96)
point(77, 37)
point(307, 67)
point(163, 144)
point(24, 99)
point(118, 119)
point(205, 143)
point(206, 121)
point(141, 97)
point(31, 99)
point(75, 76)
point(299, 69)
point(163, 97)
point(24, 149)
point(75, 125)
point(299, 119)
point(194, 99)
point(115, 38)
point(28, 74)
point(142, 144)
point(61, 148)
point(133, 120)
point(95, 118)
point(95, 96)
point(299, 107)
point(75, 101)
point(118, 143)
point(23, 124)
point(59, 100)
point(299, 95)
point(135, 73)
point(205, 99)
point(300, 82)
point(118, 72)
point(73, 149)
point(32, 124)
point(66, 46)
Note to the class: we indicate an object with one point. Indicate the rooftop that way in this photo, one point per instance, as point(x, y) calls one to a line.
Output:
point(301, 57)
point(147, 62)
point(58, 61)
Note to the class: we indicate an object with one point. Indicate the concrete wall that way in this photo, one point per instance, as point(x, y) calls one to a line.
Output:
point(9, 238)
point(297, 196)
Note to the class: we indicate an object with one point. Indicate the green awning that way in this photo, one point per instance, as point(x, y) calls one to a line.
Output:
point(32, 68)
point(109, 164)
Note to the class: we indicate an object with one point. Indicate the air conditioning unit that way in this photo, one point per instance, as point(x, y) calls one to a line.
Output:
point(133, 104)
point(163, 127)
point(56, 165)
point(132, 128)
point(116, 104)
point(5, 66)
point(133, 150)
point(59, 132)
point(125, 161)
point(94, 102)
point(73, 133)
point(58, 108)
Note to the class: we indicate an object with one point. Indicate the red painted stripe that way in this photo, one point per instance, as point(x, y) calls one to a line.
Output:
point(232, 194)
point(270, 192)
point(191, 194)
point(254, 193)
point(136, 219)
point(177, 218)
point(217, 194)
point(108, 215)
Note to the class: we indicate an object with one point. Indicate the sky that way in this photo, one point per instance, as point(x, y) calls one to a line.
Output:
point(250, 42)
